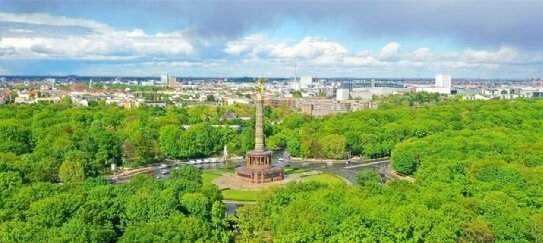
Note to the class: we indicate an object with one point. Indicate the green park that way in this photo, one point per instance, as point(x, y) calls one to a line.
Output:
point(475, 169)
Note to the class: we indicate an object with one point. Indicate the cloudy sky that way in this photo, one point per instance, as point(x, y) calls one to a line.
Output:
point(225, 38)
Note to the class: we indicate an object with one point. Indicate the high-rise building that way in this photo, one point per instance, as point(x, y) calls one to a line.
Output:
point(164, 79)
point(442, 85)
point(172, 82)
point(169, 81)
point(306, 82)
point(443, 81)
point(295, 85)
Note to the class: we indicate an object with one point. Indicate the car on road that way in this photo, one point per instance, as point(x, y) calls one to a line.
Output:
point(163, 166)
point(164, 172)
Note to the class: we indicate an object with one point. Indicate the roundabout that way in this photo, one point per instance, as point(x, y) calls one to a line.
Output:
point(234, 189)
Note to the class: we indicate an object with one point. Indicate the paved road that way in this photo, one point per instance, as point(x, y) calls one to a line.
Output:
point(347, 169)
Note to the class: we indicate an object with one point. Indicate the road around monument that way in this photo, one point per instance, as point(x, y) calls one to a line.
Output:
point(347, 169)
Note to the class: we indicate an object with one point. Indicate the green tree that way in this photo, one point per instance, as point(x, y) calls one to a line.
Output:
point(14, 137)
point(477, 231)
point(72, 171)
point(249, 223)
point(296, 94)
point(169, 141)
point(173, 229)
point(333, 146)
point(196, 204)
point(368, 178)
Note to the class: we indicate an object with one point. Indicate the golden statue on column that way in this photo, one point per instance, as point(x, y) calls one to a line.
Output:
point(258, 162)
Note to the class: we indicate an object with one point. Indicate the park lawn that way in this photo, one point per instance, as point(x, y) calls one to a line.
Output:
point(290, 170)
point(209, 176)
point(228, 194)
point(236, 195)
point(324, 178)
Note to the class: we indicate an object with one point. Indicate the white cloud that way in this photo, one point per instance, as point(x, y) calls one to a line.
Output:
point(319, 50)
point(46, 19)
point(390, 51)
point(363, 59)
point(20, 31)
point(244, 44)
point(421, 54)
point(102, 43)
point(362, 64)
point(309, 47)
point(504, 54)
point(35, 37)
point(326, 54)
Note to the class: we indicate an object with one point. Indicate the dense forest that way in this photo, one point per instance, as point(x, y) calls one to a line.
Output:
point(476, 169)
point(44, 141)
point(143, 210)
point(374, 133)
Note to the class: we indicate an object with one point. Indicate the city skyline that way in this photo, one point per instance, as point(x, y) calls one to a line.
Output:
point(394, 39)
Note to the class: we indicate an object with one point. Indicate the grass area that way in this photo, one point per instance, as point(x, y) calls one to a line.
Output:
point(228, 194)
point(290, 170)
point(209, 176)
point(236, 195)
point(324, 178)
point(239, 195)
point(225, 169)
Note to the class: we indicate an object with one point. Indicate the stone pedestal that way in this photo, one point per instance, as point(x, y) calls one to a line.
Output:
point(259, 169)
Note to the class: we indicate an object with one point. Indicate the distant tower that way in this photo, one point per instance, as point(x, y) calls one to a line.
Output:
point(52, 82)
point(295, 72)
point(90, 84)
point(258, 167)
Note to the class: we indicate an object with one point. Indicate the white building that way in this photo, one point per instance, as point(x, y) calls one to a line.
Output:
point(51, 81)
point(150, 82)
point(231, 101)
point(342, 94)
point(295, 85)
point(442, 85)
point(368, 93)
point(164, 79)
point(306, 82)
point(443, 81)
point(476, 97)
point(168, 80)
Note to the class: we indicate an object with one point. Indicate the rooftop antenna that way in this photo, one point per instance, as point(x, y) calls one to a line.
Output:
point(295, 72)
